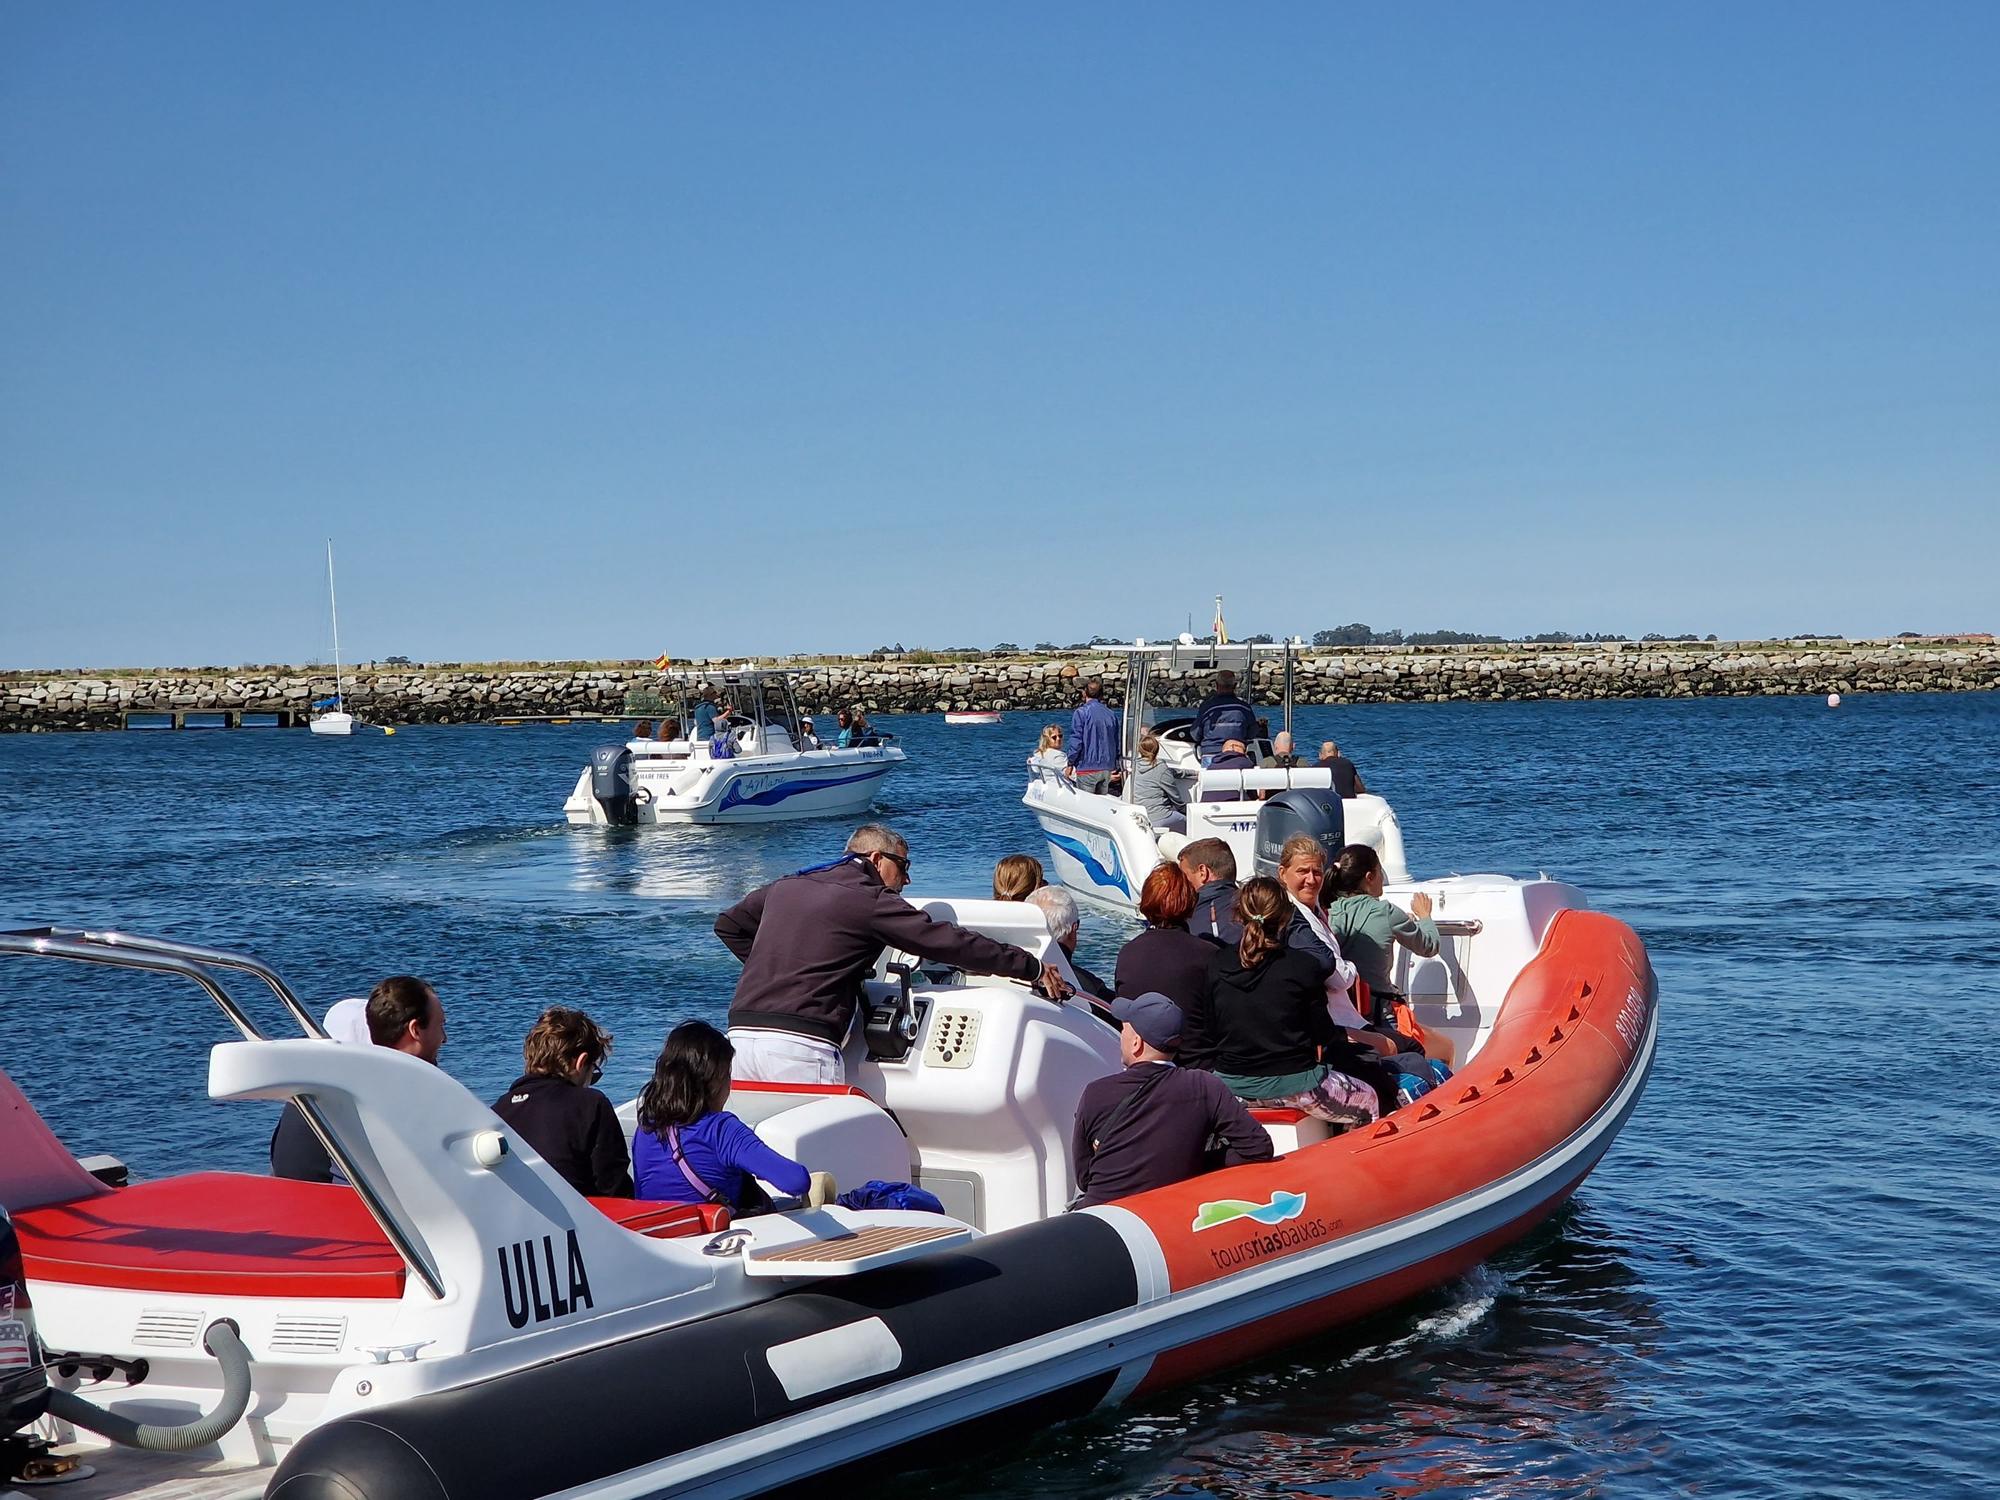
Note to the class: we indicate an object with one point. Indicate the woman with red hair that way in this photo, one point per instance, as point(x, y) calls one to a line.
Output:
point(1166, 958)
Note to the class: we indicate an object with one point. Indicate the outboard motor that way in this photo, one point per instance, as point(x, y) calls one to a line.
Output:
point(1309, 810)
point(611, 783)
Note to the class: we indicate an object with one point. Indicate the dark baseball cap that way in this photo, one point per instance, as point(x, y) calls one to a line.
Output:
point(1156, 1018)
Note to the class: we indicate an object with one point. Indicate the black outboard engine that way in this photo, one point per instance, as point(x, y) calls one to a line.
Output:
point(611, 783)
point(1308, 810)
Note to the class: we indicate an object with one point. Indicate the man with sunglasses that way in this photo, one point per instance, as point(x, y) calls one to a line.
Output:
point(807, 941)
point(554, 1107)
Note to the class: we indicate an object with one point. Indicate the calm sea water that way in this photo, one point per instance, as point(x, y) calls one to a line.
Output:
point(1785, 1280)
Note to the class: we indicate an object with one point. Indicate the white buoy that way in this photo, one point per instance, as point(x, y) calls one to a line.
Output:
point(1833, 700)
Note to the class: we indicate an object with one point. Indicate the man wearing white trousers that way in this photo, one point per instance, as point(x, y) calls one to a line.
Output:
point(807, 941)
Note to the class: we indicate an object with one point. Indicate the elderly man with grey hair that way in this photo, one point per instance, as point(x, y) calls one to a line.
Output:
point(807, 941)
point(1283, 756)
point(1059, 911)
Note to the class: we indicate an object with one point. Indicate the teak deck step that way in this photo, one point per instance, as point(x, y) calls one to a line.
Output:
point(850, 1254)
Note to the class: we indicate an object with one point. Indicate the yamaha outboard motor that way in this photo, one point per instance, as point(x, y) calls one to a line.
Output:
point(611, 783)
point(1308, 810)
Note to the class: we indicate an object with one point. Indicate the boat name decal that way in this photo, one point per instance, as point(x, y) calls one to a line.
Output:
point(522, 1287)
point(1632, 1018)
point(770, 789)
point(1280, 1241)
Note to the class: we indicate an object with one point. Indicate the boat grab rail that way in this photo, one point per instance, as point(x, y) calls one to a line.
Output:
point(1459, 926)
point(119, 950)
point(185, 953)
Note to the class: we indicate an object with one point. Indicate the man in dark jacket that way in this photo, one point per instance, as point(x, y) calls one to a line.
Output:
point(1235, 756)
point(808, 940)
point(405, 1014)
point(1150, 1125)
point(1211, 865)
point(554, 1108)
point(1347, 781)
point(1222, 716)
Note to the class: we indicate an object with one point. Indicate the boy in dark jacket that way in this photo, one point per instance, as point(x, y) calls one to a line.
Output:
point(554, 1108)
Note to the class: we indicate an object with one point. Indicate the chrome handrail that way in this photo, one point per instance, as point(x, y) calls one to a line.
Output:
point(215, 958)
point(119, 950)
point(1459, 926)
point(79, 947)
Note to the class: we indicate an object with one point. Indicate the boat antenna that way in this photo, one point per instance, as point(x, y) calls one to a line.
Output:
point(333, 608)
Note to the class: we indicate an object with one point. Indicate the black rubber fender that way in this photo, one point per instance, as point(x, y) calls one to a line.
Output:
point(621, 1406)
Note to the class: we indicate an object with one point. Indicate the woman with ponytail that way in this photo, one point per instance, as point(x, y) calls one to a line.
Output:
point(1263, 1025)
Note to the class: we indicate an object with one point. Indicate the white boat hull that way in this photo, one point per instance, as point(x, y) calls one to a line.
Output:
point(1103, 848)
point(746, 789)
point(332, 723)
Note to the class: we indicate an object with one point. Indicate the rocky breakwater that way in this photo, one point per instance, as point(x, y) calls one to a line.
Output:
point(443, 695)
point(407, 696)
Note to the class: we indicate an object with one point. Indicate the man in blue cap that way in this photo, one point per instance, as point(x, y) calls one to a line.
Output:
point(1150, 1125)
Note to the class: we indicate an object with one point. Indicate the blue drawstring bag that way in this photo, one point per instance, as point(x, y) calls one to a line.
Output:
point(1417, 1075)
point(879, 1194)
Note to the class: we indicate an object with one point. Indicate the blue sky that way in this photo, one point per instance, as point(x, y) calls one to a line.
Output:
point(611, 330)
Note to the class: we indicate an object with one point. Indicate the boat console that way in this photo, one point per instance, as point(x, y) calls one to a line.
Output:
point(966, 1085)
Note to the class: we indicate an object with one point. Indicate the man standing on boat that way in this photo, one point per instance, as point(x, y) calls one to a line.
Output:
point(705, 712)
point(1093, 741)
point(807, 941)
point(1347, 781)
point(1222, 716)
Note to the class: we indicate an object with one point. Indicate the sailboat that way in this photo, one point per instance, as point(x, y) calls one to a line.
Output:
point(336, 719)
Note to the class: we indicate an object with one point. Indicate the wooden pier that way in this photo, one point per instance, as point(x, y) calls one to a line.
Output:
point(515, 721)
point(157, 719)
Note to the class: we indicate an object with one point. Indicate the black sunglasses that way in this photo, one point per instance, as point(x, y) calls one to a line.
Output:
point(902, 861)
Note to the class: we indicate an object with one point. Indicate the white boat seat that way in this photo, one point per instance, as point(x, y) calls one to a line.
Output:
point(849, 1135)
point(1289, 1129)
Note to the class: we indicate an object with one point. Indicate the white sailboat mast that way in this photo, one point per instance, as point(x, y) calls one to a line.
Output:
point(333, 607)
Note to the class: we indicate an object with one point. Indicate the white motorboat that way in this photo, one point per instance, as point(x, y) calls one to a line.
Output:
point(760, 766)
point(972, 716)
point(1104, 846)
point(460, 1323)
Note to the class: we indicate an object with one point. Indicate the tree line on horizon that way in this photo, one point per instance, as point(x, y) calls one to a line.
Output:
point(1344, 635)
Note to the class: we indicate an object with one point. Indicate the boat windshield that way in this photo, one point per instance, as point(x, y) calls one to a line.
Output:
point(748, 694)
point(1166, 684)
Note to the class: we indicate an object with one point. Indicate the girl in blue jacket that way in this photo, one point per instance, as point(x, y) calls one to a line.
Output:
point(689, 1149)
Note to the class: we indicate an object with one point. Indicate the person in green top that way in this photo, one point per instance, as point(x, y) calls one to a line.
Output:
point(1369, 928)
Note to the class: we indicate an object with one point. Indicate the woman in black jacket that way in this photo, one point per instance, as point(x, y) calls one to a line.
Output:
point(553, 1107)
point(1262, 1023)
point(1166, 958)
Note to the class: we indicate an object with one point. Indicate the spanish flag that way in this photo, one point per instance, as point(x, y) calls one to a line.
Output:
point(663, 661)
